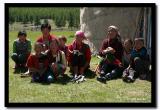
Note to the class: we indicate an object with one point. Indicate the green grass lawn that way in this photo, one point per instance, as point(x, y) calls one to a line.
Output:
point(21, 90)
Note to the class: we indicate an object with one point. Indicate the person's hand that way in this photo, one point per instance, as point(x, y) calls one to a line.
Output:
point(54, 66)
point(111, 50)
point(108, 50)
point(104, 51)
point(120, 65)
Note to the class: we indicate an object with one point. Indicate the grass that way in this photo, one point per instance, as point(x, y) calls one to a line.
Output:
point(21, 90)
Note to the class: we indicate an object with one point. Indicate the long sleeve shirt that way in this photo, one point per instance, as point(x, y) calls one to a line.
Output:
point(115, 44)
point(22, 47)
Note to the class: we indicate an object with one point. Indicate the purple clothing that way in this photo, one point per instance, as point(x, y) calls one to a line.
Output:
point(64, 49)
point(115, 44)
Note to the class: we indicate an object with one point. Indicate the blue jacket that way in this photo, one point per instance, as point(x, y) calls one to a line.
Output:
point(142, 53)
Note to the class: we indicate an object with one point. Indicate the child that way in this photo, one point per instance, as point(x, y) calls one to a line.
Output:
point(38, 64)
point(46, 37)
point(127, 48)
point(110, 67)
point(139, 60)
point(57, 59)
point(62, 41)
point(126, 61)
point(21, 50)
point(80, 55)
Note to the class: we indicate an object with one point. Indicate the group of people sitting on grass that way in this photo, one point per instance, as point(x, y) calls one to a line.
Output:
point(51, 57)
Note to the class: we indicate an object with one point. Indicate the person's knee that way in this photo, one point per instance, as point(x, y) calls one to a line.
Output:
point(14, 56)
point(137, 60)
point(116, 73)
point(50, 79)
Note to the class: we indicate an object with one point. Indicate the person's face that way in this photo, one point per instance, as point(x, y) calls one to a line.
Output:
point(54, 47)
point(38, 48)
point(138, 44)
point(22, 38)
point(127, 45)
point(62, 43)
point(79, 39)
point(45, 31)
point(112, 33)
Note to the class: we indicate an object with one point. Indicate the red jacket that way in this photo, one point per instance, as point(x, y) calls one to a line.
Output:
point(50, 37)
point(84, 48)
point(33, 62)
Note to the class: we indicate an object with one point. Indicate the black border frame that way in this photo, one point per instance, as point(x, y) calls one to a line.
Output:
point(153, 103)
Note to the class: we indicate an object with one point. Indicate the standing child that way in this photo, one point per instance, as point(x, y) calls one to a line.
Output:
point(38, 65)
point(139, 59)
point(111, 50)
point(21, 50)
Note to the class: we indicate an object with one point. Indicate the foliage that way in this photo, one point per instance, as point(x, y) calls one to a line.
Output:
point(34, 15)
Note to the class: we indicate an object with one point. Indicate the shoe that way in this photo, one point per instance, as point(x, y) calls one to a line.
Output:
point(101, 79)
point(108, 76)
point(26, 74)
point(130, 79)
point(82, 78)
point(73, 79)
point(124, 78)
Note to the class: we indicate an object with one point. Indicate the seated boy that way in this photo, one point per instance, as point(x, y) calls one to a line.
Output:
point(139, 61)
point(21, 50)
point(37, 64)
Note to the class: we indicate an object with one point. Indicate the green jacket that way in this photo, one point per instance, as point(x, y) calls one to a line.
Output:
point(22, 47)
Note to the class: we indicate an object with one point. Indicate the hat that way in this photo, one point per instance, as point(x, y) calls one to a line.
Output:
point(114, 28)
point(80, 34)
point(139, 39)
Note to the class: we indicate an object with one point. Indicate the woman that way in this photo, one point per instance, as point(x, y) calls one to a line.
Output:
point(111, 51)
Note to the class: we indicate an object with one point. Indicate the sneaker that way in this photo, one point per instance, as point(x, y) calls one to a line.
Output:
point(82, 78)
point(108, 76)
point(124, 78)
point(130, 79)
point(74, 78)
point(101, 79)
point(26, 74)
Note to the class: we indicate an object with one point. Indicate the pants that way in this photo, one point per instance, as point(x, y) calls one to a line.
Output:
point(141, 66)
point(78, 60)
point(19, 58)
point(113, 71)
point(58, 71)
